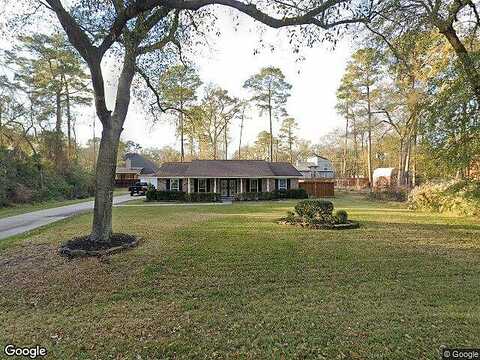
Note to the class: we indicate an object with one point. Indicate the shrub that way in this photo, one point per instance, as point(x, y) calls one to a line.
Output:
point(315, 210)
point(457, 197)
point(169, 195)
point(276, 194)
point(389, 194)
point(341, 216)
point(151, 194)
point(202, 197)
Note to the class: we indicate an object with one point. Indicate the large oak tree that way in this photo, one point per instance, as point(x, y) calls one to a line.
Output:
point(135, 29)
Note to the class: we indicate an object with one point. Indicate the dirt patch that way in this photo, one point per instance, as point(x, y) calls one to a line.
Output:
point(84, 246)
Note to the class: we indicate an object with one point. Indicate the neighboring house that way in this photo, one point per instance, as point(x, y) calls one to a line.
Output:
point(227, 177)
point(135, 166)
point(317, 167)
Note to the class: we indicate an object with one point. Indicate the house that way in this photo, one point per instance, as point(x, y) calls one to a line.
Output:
point(135, 166)
point(317, 167)
point(227, 177)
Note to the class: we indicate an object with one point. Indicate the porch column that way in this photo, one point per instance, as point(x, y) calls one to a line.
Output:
point(268, 185)
point(214, 185)
point(188, 181)
point(241, 186)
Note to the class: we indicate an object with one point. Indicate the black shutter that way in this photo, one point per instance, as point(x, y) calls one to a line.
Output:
point(288, 184)
point(195, 185)
point(167, 187)
point(276, 184)
point(180, 183)
point(248, 186)
point(260, 188)
point(208, 185)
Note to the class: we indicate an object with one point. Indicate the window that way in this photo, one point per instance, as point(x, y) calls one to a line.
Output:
point(174, 185)
point(202, 185)
point(253, 185)
point(282, 184)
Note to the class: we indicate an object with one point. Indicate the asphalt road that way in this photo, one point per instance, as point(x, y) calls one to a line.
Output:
point(19, 224)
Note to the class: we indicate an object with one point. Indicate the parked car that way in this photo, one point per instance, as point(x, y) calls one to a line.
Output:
point(139, 188)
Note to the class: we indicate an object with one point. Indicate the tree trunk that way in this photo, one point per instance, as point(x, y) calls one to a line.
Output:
point(344, 165)
point(58, 131)
point(369, 140)
point(271, 125)
point(107, 155)
point(240, 140)
point(69, 123)
point(182, 140)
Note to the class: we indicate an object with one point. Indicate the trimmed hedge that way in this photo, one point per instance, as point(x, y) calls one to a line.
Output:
point(157, 195)
point(274, 195)
point(203, 197)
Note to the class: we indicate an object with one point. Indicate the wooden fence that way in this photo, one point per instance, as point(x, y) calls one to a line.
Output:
point(355, 183)
point(318, 188)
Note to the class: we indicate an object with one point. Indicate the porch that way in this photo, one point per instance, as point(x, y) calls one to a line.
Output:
point(226, 187)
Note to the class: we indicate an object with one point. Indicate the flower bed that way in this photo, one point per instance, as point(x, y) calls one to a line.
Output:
point(318, 214)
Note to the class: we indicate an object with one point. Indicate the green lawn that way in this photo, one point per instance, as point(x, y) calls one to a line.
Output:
point(228, 282)
point(18, 209)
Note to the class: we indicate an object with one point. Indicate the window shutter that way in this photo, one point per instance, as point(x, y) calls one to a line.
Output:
point(195, 185)
point(248, 186)
point(288, 184)
point(180, 188)
point(208, 185)
point(260, 188)
point(167, 187)
point(276, 184)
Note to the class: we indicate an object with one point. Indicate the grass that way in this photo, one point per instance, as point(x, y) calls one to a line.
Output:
point(18, 209)
point(228, 282)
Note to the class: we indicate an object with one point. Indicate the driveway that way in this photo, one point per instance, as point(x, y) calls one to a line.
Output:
point(18, 224)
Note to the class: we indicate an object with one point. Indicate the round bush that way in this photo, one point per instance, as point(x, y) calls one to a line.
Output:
point(311, 209)
point(341, 216)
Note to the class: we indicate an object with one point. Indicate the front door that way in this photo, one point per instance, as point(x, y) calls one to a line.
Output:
point(224, 187)
point(232, 187)
point(228, 187)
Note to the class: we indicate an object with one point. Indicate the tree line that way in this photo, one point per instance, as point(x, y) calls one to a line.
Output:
point(44, 83)
point(407, 104)
point(205, 117)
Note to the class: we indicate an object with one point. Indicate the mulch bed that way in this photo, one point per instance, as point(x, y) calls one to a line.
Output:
point(82, 246)
point(348, 225)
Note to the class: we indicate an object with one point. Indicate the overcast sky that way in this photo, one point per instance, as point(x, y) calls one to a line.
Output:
point(228, 63)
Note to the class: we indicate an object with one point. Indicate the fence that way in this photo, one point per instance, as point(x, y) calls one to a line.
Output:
point(318, 188)
point(357, 183)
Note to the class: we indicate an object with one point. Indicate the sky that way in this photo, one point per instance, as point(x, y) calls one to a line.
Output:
point(228, 62)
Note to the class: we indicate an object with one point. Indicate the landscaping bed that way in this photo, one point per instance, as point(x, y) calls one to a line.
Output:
point(83, 246)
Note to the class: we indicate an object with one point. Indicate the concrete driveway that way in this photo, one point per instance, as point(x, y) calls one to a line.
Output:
point(18, 224)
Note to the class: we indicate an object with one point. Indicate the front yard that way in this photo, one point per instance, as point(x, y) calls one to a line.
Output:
point(227, 281)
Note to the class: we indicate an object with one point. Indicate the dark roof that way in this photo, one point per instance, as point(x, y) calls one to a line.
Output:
point(172, 169)
point(138, 161)
point(228, 168)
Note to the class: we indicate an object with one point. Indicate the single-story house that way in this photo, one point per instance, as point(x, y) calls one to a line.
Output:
point(135, 166)
point(227, 177)
point(316, 167)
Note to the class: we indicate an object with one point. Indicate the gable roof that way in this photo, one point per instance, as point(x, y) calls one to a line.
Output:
point(228, 169)
point(138, 161)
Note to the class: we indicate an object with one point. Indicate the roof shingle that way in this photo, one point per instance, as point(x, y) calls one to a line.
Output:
point(228, 168)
